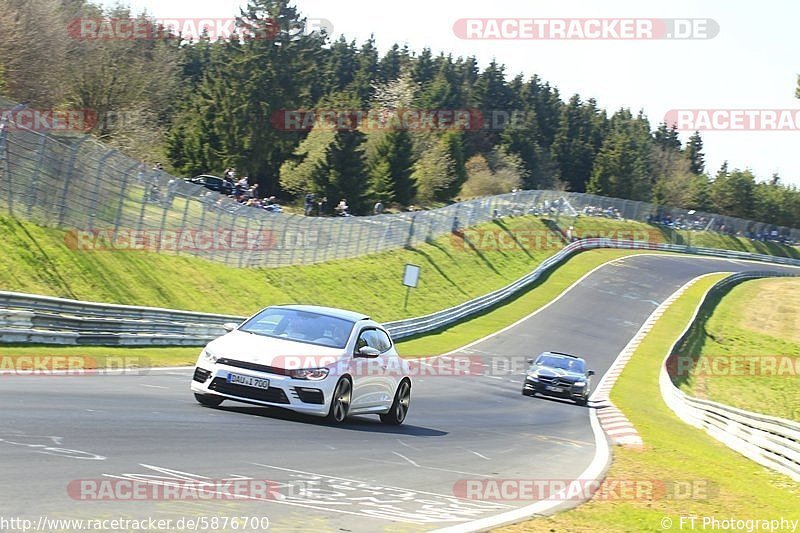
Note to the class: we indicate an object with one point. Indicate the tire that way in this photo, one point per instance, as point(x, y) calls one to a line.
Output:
point(527, 392)
point(582, 401)
point(340, 402)
point(209, 400)
point(399, 409)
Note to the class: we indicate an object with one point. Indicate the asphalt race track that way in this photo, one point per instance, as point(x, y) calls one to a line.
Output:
point(361, 476)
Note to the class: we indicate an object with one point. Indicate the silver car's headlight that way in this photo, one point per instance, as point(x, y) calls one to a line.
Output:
point(311, 374)
point(208, 356)
point(533, 376)
point(579, 384)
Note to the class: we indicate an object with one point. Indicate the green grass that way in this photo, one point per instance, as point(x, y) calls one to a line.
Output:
point(38, 260)
point(756, 318)
point(433, 344)
point(734, 486)
point(11, 356)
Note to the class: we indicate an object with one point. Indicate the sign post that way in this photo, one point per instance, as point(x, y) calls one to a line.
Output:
point(410, 279)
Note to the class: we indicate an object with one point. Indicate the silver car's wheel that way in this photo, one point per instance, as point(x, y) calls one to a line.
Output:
point(402, 400)
point(340, 403)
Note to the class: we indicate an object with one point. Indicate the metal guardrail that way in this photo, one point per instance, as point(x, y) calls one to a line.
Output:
point(26, 318)
point(770, 441)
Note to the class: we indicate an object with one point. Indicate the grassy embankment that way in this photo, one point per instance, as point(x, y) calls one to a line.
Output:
point(749, 348)
point(38, 260)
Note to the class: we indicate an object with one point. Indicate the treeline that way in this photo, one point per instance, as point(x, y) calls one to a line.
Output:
point(299, 113)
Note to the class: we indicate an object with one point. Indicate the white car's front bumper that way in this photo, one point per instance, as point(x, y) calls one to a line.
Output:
point(306, 396)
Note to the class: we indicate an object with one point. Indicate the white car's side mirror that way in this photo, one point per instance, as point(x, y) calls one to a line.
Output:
point(368, 351)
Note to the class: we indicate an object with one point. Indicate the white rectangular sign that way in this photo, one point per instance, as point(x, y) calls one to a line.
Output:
point(411, 276)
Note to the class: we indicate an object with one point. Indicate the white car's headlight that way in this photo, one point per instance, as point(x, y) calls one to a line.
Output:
point(208, 356)
point(311, 374)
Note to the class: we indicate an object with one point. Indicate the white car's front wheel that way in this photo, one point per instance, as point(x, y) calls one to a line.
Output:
point(402, 400)
point(340, 403)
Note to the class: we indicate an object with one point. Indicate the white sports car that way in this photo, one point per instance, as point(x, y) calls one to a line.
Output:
point(316, 360)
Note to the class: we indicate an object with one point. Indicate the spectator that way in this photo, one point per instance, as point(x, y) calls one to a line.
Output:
point(230, 175)
point(322, 205)
point(309, 204)
point(158, 168)
point(172, 186)
point(342, 208)
point(378, 209)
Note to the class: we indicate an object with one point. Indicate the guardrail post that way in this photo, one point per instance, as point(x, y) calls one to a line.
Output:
point(247, 240)
point(4, 143)
point(68, 179)
point(122, 192)
point(163, 222)
point(36, 173)
point(410, 238)
point(98, 176)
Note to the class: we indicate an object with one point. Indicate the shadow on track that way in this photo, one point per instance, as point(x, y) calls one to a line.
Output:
point(354, 423)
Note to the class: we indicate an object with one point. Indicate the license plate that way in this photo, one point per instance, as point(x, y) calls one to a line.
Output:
point(554, 389)
point(248, 381)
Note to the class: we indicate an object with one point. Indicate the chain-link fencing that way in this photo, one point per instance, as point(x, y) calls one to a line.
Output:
point(108, 200)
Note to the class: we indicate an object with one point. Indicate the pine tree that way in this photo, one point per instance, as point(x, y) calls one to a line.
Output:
point(667, 138)
point(573, 148)
point(393, 63)
point(732, 193)
point(347, 172)
point(340, 65)
point(623, 167)
point(366, 72)
point(694, 151)
point(390, 163)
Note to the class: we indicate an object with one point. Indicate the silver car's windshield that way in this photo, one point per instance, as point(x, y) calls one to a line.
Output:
point(300, 326)
point(571, 365)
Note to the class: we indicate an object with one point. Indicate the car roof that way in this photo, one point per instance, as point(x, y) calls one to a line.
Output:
point(329, 311)
point(562, 355)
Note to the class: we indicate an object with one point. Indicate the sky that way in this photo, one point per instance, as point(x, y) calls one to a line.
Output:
point(752, 62)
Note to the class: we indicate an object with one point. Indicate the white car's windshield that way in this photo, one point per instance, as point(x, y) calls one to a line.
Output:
point(571, 365)
point(301, 326)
